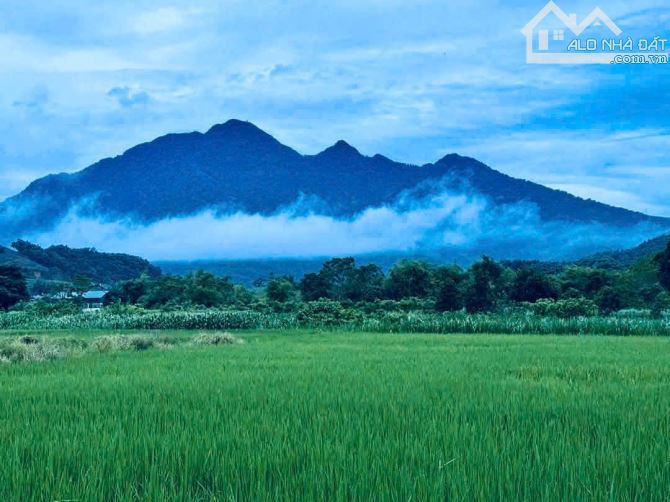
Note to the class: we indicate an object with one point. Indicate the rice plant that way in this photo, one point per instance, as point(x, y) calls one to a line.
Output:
point(342, 416)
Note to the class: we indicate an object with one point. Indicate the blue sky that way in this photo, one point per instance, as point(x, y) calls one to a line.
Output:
point(80, 81)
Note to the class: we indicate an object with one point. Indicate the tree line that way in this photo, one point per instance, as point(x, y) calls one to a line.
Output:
point(485, 286)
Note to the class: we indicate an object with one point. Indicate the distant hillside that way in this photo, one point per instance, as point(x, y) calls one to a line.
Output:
point(237, 167)
point(248, 272)
point(251, 272)
point(257, 272)
point(626, 258)
point(64, 264)
point(30, 269)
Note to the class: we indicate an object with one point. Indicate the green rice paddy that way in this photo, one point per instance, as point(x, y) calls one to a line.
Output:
point(301, 415)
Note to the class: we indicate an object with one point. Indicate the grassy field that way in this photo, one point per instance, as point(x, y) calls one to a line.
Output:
point(297, 415)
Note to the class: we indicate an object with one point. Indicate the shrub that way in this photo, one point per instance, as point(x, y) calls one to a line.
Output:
point(114, 343)
point(215, 339)
point(566, 308)
point(327, 313)
point(634, 314)
point(29, 349)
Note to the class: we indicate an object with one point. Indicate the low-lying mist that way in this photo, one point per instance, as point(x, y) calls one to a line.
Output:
point(443, 223)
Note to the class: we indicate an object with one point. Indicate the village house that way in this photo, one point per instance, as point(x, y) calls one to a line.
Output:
point(93, 300)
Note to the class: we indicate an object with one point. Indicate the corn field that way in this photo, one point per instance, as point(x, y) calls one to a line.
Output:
point(390, 322)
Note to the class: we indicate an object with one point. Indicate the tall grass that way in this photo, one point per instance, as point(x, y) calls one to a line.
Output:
point(32, 348)
point(344, 416)
point(391, 322)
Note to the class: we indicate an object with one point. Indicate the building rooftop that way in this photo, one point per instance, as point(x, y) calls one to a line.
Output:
point(94, 295)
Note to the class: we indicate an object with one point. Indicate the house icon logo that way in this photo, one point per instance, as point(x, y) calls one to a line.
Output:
point(541, 48)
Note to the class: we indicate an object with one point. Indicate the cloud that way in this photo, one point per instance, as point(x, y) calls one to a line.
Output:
point(35, 100)
point(455, 225)
point(126, 98)
point(411, 81)
point(283, 234)
point(160, 20)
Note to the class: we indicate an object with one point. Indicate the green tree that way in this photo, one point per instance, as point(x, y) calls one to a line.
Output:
point(129, 292)
point(409, 279)
point(531, 285)
point(609, 300)
point(81, 283)
point(449, 296)
point(447, 288)
point(588, 281)
point(161, 292)
point(13, 287)
point(664, 268)
point(366, 283)
point(242, 296)
point(485, 287)
point(660, 304)
point(313, 287)
point(207, 290)
point(338, 274)
point(281, 289)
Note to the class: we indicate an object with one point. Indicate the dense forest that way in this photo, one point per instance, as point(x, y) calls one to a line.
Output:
point(486, 286)
point(66, 264)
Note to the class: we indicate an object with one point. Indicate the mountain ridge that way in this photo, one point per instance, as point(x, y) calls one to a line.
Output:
point(237, 167)
point(63, 263)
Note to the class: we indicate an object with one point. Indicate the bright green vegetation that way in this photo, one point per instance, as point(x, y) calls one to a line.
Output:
point(411, 297)
point(487, 287)
point(297, 415)
point(326, 314)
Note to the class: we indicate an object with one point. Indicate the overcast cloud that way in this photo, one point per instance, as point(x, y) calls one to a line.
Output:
point(411, 80)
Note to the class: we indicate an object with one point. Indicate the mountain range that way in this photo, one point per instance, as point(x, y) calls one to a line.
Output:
point(237, 167)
